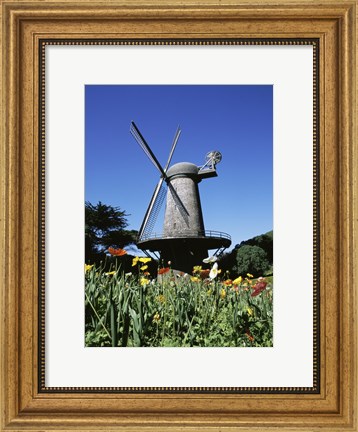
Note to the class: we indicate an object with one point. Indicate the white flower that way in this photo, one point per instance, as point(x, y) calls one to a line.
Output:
point(181, 274)
point(214, 271)
point(211, 259)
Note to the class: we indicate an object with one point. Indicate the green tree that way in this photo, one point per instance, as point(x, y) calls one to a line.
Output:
point(251, 259)
point(228, 263)
point(264, 241)
point(105, 227)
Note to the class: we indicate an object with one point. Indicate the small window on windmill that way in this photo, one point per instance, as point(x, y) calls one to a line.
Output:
point(175, 225)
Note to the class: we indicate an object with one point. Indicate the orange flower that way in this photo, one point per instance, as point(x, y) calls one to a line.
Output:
point(227, 282)
point(163, 270)
point(258, 288)
point(204, 274)
point(249, 335)
point(117, 252)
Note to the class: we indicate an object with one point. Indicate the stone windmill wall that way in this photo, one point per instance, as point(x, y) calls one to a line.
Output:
point(183, 213)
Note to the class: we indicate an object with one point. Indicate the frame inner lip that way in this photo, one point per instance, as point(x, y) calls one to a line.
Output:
point(315, 389)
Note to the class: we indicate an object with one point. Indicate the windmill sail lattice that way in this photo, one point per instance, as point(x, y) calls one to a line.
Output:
point(184, 240)
point(153, 211)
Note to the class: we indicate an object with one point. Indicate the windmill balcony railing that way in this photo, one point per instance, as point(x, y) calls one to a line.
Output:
point(199, 234)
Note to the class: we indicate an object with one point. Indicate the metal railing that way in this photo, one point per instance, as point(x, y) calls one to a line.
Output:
point(189, 234)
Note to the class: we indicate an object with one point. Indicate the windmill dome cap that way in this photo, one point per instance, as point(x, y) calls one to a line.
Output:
point(183, 168)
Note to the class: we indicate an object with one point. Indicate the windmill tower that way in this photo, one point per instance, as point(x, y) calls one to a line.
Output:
point(184, 240)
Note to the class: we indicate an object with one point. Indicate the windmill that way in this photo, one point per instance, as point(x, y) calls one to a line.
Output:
point(184, 240)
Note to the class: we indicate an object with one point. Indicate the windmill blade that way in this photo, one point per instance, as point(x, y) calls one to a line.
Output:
point(147, 150)
point(153, 210)
point(156, 202)
point(183, 211)
point(175, 141)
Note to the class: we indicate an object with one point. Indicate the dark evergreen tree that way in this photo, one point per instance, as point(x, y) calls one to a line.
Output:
point(105, 227)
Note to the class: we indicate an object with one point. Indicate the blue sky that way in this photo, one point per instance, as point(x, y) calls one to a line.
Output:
point(234, 119)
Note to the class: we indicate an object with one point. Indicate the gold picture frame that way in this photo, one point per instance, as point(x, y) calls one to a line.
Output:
point(25, 24)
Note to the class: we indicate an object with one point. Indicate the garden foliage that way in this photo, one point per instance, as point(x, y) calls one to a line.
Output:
point(176, 309)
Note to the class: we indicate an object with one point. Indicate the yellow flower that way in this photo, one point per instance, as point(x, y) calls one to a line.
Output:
point(140, 259)
point(197, 269)
point(144, 267)
point(110, 273)
point(250, 311)
point(144, 260)
point(144, 281)
point(88, 267)
point(156, 317)
point(249, 275)
point(161, 299)
point(237, 281)
point(194, 279)
point(222, 293)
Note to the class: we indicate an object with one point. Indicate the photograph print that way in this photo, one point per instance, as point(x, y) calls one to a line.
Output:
point(178, 216)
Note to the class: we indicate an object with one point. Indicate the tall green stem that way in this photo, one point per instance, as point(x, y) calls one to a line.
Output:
point(113, 320)
point(99, 319)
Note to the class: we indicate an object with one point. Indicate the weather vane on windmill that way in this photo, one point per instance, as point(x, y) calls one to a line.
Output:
point(184, 240)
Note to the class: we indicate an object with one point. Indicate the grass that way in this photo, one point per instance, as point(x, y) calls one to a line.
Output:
point(176, 310)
